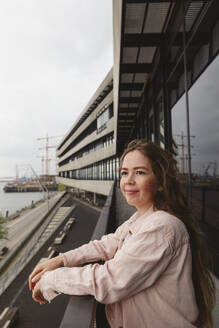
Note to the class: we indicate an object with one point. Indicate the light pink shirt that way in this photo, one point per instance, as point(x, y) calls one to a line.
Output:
point(144, 282)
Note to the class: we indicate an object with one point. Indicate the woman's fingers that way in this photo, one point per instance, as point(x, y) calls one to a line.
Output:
point(41, 268)
point(37, 295)
point(31, 283)
point(35, 272)
point(36, 278)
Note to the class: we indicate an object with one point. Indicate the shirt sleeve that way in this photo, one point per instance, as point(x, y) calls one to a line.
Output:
point(135, 267)
point(103, 249)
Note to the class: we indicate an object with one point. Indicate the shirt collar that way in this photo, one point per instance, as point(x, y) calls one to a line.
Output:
point(135, 221)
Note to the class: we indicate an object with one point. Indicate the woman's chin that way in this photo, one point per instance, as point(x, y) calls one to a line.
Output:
point(130, 202)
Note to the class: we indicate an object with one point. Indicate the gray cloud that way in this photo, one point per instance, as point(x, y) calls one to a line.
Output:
point(53, 56)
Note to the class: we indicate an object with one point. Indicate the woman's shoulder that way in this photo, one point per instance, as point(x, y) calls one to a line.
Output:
point(171, 225)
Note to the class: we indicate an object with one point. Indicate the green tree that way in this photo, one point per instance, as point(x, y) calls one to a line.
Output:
point(3, 228)
point(61, 187)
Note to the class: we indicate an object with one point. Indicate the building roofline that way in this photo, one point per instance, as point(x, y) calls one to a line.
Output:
point(92, 104)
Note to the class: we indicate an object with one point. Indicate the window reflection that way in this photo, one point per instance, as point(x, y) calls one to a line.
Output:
point(204, 125)
point(204, 139)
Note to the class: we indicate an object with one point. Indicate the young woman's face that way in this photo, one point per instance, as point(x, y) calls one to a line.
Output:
point(138, 182)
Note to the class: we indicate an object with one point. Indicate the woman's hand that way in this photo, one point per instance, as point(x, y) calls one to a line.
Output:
point(37, 295)
point(41, 268)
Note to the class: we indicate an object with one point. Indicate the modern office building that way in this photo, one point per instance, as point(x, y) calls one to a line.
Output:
point(86, 157)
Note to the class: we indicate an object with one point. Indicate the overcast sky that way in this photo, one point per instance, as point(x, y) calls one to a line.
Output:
point(53, 56)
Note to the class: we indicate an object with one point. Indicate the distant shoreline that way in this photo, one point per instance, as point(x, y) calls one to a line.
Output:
point(25, 209)
point(14, 202)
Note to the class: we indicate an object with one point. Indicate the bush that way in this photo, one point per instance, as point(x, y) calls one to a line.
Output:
point(61, 187)
point(3, 228)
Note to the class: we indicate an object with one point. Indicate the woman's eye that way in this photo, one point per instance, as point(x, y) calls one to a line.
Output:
point(123, 173)
point(140, 172)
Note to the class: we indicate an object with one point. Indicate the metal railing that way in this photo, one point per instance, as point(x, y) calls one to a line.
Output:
point(81, 310)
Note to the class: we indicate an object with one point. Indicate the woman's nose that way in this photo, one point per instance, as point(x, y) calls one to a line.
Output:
point(130, 179)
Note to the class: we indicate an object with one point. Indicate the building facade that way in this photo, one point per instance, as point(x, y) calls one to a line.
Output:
point(86, 157)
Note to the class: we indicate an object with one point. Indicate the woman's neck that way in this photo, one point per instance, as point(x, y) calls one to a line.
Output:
point(141, 211)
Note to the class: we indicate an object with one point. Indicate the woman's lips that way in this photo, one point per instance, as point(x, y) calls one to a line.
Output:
point(131, 192)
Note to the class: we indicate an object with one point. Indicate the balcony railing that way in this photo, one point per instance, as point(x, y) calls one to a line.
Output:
point(81, 310)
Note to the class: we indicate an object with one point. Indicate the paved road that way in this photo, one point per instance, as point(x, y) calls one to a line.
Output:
point(20, 227)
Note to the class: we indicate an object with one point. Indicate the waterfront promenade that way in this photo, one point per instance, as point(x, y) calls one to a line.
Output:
point(33, 224)
point(17, 294)
point(20, 227)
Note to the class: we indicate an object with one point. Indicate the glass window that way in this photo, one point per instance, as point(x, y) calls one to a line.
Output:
point(117, 169)
point(160, 122)
point(104, 171)
point(102, 119)
point(204, 139)
point(151, 125)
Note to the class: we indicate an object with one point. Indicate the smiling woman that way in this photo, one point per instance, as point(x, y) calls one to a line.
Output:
point(138, 182)
point(155, 272)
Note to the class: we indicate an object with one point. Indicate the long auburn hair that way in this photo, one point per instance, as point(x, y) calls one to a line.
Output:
point(173, 200)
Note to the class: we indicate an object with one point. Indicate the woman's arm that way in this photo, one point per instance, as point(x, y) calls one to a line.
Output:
point(103, 249)
point(135, 267)
point(96, 250)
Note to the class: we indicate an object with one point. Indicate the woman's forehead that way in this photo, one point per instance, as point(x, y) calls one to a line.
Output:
point(135, 158)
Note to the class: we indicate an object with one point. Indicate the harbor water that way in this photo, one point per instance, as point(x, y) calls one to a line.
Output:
point(14, 201)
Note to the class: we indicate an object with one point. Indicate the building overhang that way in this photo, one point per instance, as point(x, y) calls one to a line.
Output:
point(147, 35)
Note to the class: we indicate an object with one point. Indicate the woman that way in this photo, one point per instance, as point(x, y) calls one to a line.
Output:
point(155, 272)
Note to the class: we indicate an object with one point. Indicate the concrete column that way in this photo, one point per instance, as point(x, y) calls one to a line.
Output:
point(95, 198)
